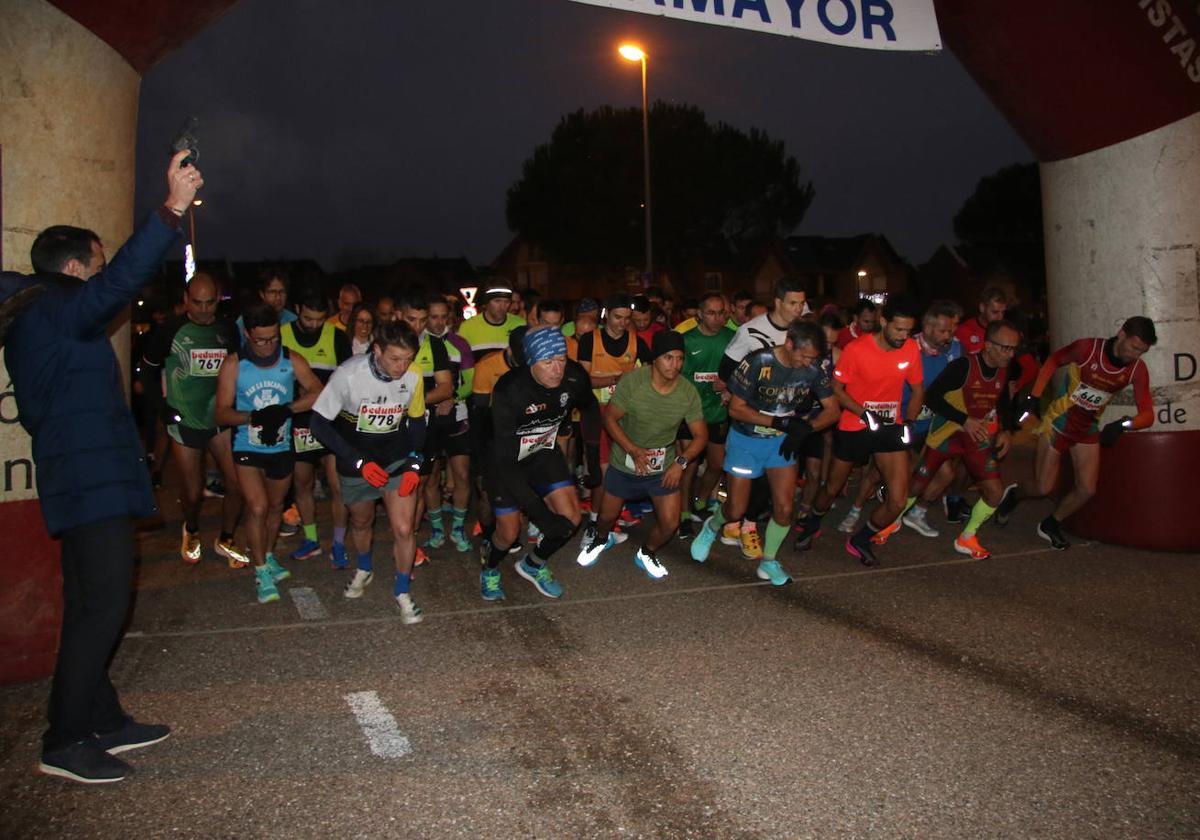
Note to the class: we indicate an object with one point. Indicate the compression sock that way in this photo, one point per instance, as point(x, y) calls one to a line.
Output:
point(979, 514)
point(403, 582)
point(866, 531)
point(339, 535)
point(434, 517)
point(496, 555)
point(460, 518)
point(912, 500)
point(717, 520)
point(775, 535)
point(310, 532)
point(364, 561)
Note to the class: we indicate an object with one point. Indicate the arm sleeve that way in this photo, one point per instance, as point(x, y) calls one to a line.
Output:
point(104, 296)
point(1142, 396)
point(342, 349)
point(437, 349)
point(950, 379)
point(505, 441)
point(327, 436)
point(1006, 409)
point(416, 429)
point(725, 368)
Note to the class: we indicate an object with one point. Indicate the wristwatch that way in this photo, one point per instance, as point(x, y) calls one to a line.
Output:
point(681, 462)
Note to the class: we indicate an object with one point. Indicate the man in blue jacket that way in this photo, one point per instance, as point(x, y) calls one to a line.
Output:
point(91, 472)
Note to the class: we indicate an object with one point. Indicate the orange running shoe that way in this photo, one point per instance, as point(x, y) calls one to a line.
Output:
point(751, 544)
point(882, 537)
point(291, 516)
point(970, 546)
point(420, 558)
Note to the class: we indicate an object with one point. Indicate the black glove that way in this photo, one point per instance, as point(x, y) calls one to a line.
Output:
point(591, 466)
point(1030, 406)
point(555, 527)
point(270, 420)
point(873, 419)
point(1110, 433)
point(796, 432)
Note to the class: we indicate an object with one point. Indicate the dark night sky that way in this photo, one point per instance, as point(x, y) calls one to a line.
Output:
point(364, 131)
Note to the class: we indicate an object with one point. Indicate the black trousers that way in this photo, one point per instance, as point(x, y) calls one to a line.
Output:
point(97, 566)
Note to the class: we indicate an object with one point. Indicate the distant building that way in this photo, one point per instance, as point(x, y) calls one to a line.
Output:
point(839, 270)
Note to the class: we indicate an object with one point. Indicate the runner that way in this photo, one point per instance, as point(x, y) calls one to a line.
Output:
point(349, 296)
point(869, 383)
point(523, 468)
point(704, 346)
point(272, 290)
point(972, 416)
point(643, 419)
point(864, 321)
point(993, 306)
point(324, 347)
point(450, 442)
point(184, 362)
point(761, 332)
point(1097, 369)
point(487, 332)
point(766, 435)
point(371, 416)
point(256, 393)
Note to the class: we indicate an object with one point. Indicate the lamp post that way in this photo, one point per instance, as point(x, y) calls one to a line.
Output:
point(632, 52)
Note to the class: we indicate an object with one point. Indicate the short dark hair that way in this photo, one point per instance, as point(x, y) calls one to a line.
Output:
point(259, 314)
point(641, 303)
point(901, 306)
point(436, 298)
point(806, 332)
point(551, 305)
point(310, 297)
point(415, 300)
point(991, 293)
point(1141, 327)
point(944, 309)
point(831, 320)
point(994, 327)
point(395, 334)
point(709, 297)
point(655, 291)
point(789, 283)
point(56, 245)
point(266, 275)
point(863, 305)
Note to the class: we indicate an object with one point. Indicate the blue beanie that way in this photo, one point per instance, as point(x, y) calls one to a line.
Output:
point(543, 344)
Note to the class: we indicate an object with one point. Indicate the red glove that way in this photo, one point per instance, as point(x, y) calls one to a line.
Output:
point(375, 475)
point(408, 483)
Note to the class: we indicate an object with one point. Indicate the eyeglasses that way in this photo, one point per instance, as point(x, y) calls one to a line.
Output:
point(264, 342)
point(1003, 348)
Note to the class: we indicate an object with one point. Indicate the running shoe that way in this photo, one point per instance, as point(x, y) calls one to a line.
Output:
point(214, 490)
point(410, 613)
point(650, 564)
point(237, 559)
point(687, 529)
point(85, 762)
point(861, 549)
point(307, 549)
point(703, 543)
point(751, 544)
point(289, 525)
point(533, 533)
point(589, 551)
point(1050, 530)
point(850, 523)
point(489, 585)
point(881, 537)
point(515, 548)
point(190, 549)
point(278, 573)
point(337, 556)
point(420, 558)
point(265, 584)
point(731, 534)
point(1008, 504)
point(807, 530)
point(956, 510)
point(971, 547)
point(540, 578)
point(627, 519)
point(772, 571)
point(358, 584)
point(459, 537)
point(437, 539)
point(917, 519)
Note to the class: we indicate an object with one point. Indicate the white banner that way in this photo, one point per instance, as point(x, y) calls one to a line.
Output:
point(869, 24)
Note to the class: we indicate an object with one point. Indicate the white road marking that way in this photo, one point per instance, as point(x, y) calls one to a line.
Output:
point(378, 725)
point(308, 604)
point(544, 604)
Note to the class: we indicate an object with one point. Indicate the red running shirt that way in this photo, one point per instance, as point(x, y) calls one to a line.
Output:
point(875, 379)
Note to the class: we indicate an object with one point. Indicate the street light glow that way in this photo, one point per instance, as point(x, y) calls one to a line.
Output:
point(632, 52)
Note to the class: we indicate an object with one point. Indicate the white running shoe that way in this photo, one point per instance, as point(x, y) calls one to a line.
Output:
point(847, 525)
point(358, 584)
point(915, 519)
point(410, 613)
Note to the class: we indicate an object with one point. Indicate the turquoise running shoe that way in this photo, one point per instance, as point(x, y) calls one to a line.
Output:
point(703, 542)
point(489, 585)
point(540, 578)
point(437, 539)
point(278, 573)
point(267, 591)
point(772, 571)
point(461, 541)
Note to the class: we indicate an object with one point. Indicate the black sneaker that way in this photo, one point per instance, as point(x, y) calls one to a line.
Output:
point(1008, 503)
point(687, 529)
point(957, 510)
point(860, 547)
point(131, 736)
point(1050, 530)
point(807, 530)
point(84, 762)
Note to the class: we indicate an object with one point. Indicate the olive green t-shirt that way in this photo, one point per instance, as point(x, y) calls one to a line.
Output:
point(652, 419)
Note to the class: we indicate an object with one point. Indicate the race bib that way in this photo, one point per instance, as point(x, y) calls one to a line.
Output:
point(709, 376)
point(1089, 398)
point(205, 362)
point(536, 440)
point(656, 457)
point(374, 419)
point(303, 440)
point(886, 410)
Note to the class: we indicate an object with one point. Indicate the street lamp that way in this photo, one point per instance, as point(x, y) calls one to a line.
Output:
point(632, 52)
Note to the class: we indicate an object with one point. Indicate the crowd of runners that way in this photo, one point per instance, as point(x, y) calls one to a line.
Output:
point(725, 421)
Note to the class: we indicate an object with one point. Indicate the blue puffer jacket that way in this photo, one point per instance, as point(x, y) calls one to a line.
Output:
point(89, 459)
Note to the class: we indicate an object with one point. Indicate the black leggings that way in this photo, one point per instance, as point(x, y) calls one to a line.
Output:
point(97, 565)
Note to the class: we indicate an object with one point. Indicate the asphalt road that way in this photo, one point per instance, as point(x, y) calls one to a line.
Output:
point(1033, 694)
